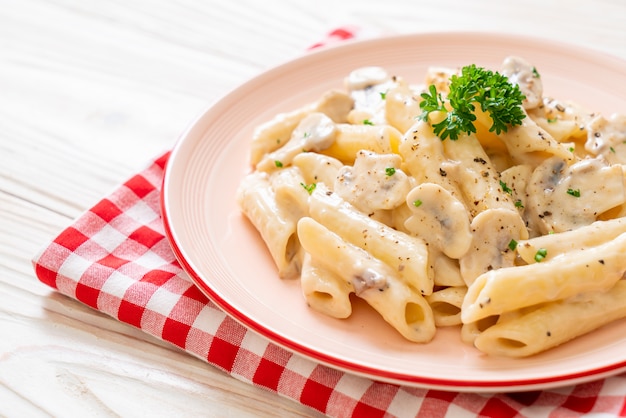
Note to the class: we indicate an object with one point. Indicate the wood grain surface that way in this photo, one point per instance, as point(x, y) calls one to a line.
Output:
point(90, 91)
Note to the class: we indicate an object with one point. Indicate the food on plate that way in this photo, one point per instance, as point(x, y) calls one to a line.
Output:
point(470, 200)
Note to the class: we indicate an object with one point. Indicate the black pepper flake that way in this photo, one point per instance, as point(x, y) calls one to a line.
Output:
point(480, 160)
point(601, 262)
point(549, 334)
point(442, 172)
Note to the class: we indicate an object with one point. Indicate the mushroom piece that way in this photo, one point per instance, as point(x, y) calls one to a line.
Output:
point(315, 132)
point(367, 86)
point(364, 77)
point(562, 197)
point(439, 218)
point(336, 105)
point(492, 232)
point(607, 137)
point(522, 73)
point(374, 182)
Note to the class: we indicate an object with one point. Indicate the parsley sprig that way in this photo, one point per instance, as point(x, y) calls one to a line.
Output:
point(476, 85)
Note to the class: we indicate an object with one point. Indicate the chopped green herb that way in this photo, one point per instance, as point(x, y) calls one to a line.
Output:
point(383, 95)
point(306, 135)
point(519, 204)
point(573, 192)
point(540, 254)
point(491, 90)
point(512, 245)
point(417, 203)
point(390, 171)
point(536, 73)
point(278, 164)
point(571, 149)
point(367, 122)
point(505, 188)
point(308, 187)
point(552, 120)
point(612, 150)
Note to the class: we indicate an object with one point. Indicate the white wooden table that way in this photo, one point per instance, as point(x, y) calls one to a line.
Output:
point(90, 91)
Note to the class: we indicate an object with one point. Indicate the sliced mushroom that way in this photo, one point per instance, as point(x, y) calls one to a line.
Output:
point(439, 218)
point(492, 232)
point(363, 77)
point(336, 105)
point(562, 197)
point(521, 72)
point(368, 86)
point(607, 137)
point(375, 182)
point(315, 132)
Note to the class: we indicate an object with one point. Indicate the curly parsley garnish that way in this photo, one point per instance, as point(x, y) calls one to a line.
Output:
point(476, 85)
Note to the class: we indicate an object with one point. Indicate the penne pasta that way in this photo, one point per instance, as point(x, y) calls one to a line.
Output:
point(472, 201)
point(597, 233)
point(372, 280)
point(553, 324)
point(579, 271)
point(317, 168)
point(324, 290)
point(446, 305)
point(407, 255)
point(350, 139)
point(475, 176)
point(276, 225)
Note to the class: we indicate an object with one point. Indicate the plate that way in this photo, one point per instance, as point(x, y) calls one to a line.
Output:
point(226, 258)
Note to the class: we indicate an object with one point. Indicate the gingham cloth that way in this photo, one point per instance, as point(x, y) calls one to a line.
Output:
point(115, 258)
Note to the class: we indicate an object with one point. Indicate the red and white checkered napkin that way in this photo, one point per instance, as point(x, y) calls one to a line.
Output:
point(116, 259)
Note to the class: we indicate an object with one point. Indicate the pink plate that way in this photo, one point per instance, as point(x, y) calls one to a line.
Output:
point(224, 255)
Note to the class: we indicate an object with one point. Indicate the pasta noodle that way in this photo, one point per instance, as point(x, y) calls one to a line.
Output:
point(515, 236)
point(371, 279)
point(550, 325)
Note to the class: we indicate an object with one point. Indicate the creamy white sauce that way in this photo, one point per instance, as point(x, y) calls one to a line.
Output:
point(566, 197)
point(374, 182)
